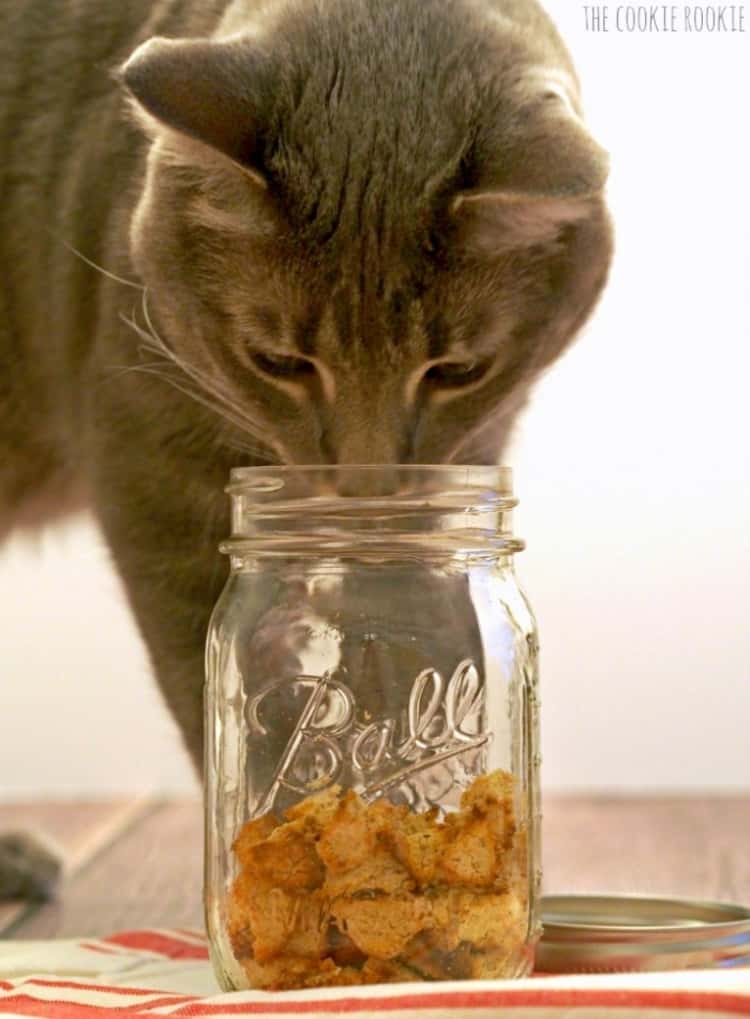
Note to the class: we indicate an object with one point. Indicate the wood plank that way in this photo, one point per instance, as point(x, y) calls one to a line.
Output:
point(78, 830)
point(696, 847)
point(152, 876)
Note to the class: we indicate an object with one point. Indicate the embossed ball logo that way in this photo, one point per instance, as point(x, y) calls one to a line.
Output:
point(443, 721)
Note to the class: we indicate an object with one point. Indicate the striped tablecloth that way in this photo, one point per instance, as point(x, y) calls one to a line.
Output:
point(167, 973)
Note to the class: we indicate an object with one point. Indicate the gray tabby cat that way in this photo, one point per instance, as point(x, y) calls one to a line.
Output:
point(358, 231)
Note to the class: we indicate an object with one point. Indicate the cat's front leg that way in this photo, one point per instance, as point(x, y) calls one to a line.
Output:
point(163, 530)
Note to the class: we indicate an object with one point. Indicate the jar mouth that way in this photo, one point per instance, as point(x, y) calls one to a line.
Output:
point(373, 480)
point(320, 509)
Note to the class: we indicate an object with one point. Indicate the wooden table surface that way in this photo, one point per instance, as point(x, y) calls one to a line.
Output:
point(138, 863)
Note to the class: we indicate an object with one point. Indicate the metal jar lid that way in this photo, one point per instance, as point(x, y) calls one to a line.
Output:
point(622, 933)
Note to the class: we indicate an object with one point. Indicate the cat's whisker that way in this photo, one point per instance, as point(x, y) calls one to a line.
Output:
point(155, 344)
point(226, 407)
point(161, 370)
point(202, 390)
point(119, 370)
point(485, 432)
point(256, 453)
point(94, 265)
point(245, 447)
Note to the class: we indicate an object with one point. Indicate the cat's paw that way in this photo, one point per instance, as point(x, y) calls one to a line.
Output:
point(30, 867)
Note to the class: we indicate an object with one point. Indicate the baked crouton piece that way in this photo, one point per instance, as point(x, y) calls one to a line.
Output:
point(380, 872)
point(380, 927)
point(290, 972)
point(251, 834)
point(481, 918)
point(492, 797)
point(318, 810)
point(347, 840)
point(287, 859)
point(471, 856)
point(419, 843)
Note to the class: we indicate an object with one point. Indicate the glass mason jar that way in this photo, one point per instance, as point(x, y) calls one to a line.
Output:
point(372, 799)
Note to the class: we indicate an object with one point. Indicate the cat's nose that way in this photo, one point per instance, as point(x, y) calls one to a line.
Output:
point(368, 481)
point(369, 427)
point(369, 455)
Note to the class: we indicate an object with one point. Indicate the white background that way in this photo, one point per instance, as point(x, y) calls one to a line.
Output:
point(631, 465)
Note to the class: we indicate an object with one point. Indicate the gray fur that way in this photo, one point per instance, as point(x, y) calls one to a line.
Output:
point(378, 190)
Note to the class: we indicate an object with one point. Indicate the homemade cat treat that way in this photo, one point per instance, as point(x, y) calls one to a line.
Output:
point(339, 892)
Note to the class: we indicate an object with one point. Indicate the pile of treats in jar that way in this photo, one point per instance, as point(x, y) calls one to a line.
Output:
point(347, 893)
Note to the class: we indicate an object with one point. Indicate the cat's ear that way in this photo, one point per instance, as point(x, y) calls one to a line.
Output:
point(550, 173)
point(208, 90)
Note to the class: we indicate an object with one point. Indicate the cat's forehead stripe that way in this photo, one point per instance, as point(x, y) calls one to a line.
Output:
point(343, 327)
point(269, 321)
point(438, 339)
point(305, 329)
point(342, 314)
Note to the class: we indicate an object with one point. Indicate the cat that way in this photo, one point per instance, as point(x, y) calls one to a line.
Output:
point(347, 231)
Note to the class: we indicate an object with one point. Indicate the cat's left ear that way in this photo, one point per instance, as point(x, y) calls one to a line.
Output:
point(211, 91)
point(533, 179)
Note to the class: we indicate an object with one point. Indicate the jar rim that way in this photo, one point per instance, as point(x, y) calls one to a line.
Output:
point(269, 479)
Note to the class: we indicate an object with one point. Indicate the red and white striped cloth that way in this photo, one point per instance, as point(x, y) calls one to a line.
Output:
point(167, 973)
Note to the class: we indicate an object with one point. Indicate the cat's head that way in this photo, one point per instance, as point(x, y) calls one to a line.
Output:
point(370, 225)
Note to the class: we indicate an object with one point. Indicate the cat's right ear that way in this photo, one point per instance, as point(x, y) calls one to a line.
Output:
point(209, 91)
point(531, 183)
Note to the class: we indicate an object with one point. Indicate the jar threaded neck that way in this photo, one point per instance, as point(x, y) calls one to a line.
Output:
point(334, 509)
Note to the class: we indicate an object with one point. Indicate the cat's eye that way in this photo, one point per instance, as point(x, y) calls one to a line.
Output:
point(283, 365)
point(456, 373)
